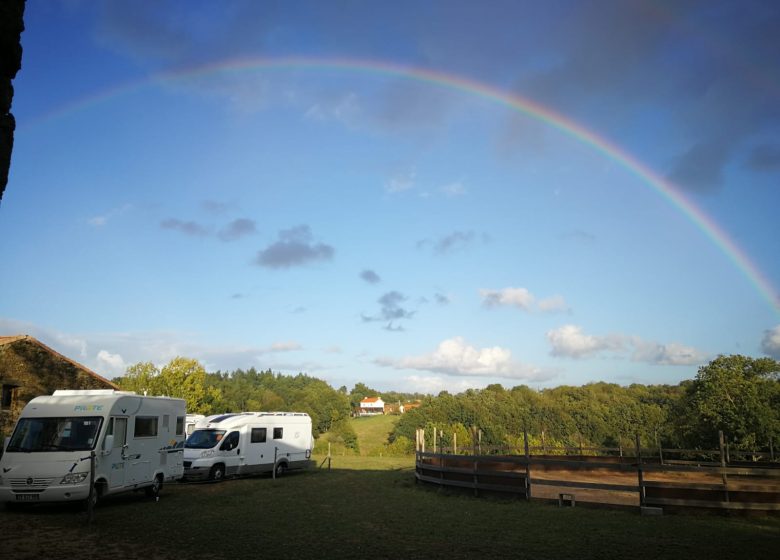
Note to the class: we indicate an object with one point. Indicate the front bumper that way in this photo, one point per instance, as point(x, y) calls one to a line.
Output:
point(197, 469)
point(52, 493)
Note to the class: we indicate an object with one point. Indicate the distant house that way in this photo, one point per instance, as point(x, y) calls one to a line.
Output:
point(409, 406)
point(29, 368)
point(371, 405)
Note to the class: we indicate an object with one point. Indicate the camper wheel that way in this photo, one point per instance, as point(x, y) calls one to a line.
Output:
point(97, 494)
point(154, 490)
point(217, 473)
point(281, 467)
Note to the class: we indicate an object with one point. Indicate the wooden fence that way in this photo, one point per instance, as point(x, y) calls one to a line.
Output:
point(643, 477)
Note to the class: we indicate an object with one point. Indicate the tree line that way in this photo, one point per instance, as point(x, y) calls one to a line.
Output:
point(734, 394)
point(737, 395)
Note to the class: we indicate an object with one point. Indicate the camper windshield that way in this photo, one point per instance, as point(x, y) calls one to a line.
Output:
point(34, 435)
point(204, 439)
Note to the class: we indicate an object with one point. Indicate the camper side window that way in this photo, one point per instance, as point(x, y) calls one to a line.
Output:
point(180, 425)
point(258, 435)
point(278, 433)
point(145, 426)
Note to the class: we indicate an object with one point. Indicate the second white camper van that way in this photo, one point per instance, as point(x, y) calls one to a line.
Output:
point(137, 443)
point(246, 443)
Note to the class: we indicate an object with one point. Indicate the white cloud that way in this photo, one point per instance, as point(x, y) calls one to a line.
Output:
point(553, 304)
point(511, 297)
point(111, 362)
point(523, 299)
point(570, 341)
point(288, 346)
point(672, 354)
point(77, 343)
point(770, 344)
point(455, 357)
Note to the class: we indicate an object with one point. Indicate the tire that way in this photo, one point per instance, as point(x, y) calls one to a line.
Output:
point(281, 468)
point(153, 491)
point(97, 495)
point(217, 473)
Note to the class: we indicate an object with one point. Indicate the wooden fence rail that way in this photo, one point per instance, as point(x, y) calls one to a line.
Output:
point(636, 480)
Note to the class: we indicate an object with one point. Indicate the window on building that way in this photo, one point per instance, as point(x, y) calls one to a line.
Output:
point(7, 396)
point(258, 435)
point(278, 433)
point(145, 426)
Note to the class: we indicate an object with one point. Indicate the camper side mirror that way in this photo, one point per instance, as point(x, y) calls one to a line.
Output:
point(108, 443)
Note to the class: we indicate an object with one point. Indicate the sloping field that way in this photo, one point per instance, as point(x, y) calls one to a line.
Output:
point(372, 432)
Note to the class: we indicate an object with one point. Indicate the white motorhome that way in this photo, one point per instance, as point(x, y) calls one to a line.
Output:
point(246, 443)
point(191, 422)
point(137, 441)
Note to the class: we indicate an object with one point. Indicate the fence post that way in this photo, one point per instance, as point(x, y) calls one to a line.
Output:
point(329, 456)
point(434, 439)
point(723, 465)
point(640, 475)
point(479, 444)
point(454, 443)
point(527, 465)
point(660, 447)
point(422, 439)
point(92, 490)
point(580, 436)
point(473, 441)
point(544, 445)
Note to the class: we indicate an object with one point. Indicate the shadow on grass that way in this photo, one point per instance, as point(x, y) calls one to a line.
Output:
point(358, 512)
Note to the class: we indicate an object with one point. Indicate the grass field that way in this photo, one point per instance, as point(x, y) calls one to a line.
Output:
point(366, 507)
point(372, 432)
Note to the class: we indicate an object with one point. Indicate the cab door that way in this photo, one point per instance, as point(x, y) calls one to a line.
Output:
point(116, 458)
point(230, 452)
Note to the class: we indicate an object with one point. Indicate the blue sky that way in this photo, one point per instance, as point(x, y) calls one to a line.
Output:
point(243, 183)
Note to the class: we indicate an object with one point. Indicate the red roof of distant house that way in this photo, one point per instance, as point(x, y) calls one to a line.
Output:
point(370, 399)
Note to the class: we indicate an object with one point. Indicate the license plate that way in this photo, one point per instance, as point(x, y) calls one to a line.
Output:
point(27, 497)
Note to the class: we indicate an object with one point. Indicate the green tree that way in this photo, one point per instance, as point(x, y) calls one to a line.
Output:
point(738, 395)
point(183, 378)
point(141, 378)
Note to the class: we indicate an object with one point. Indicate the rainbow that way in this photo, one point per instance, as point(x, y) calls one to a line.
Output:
point(522, 105)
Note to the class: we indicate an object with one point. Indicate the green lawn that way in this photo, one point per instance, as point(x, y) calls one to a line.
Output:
point(372, 432)
point(367, 507)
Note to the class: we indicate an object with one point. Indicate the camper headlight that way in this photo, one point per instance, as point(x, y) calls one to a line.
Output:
point(207, 453)
point(74, 478)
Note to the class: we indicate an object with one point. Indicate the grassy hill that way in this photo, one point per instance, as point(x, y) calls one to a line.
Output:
point(372, 433)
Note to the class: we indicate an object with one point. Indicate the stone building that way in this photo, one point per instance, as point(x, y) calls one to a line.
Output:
point(29, 368)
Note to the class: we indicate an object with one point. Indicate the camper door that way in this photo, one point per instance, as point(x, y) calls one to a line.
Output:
point(114, 456)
